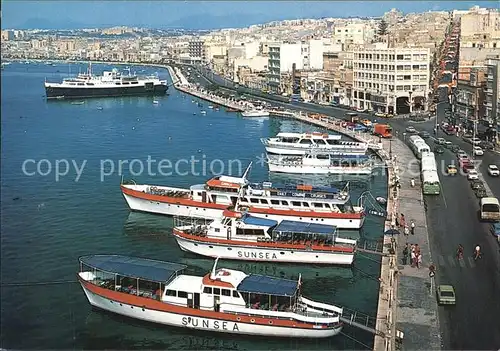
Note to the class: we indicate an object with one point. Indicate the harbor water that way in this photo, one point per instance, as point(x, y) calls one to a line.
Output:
point(62, 163)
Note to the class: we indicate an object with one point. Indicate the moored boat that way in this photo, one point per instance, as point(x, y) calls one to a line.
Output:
point(302, 143)
point(108, 85)
point(255, 113)
point(240, 236)
point(223, 300)
point(321, 163)
point(303, 203)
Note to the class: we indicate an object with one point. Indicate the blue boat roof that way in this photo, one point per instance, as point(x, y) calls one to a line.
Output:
point(251, 220)
point(141, 268)
point(261, 284)
point(305, 228)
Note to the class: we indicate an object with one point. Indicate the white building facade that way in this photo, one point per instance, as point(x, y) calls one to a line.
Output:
point(391, 80)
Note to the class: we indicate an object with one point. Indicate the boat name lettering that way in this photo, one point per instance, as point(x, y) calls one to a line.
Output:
point(209, 324)
point(308, 195)
point(260, 255)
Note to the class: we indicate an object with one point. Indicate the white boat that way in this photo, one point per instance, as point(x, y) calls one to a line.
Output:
point(302, 203)
point(255, 113)
point(240, 236)
point(320, 163)
point(302, 143)
point(224, 300)
point(156, 102)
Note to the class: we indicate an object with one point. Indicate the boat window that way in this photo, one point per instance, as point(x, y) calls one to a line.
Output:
point(322, 157)
point(118, 83)
point(275, 202)
point(81, 83)
point(306, 141)
point(126, 83)
point(296, 203)
point(207, 290)
point(254, 201)
point(317, 204)
point(320, 141)
point(333, 142)
point(216, 291)
point(90, 83)
point(135, 82)
point(284, 203)
point(235, 294)
point(217, 230)
point(199, 194)
point(305, 204)
point(263, 201)
point(182, 294)
point(226, 292)
point(171, 293)
point(243, 199)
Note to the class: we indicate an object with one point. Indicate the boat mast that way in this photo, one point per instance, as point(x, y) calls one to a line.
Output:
point(212, 274)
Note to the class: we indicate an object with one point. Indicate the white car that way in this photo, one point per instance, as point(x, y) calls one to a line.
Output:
point(472, 175)
point(493, 171)
point(475, 141)
point(477, 151)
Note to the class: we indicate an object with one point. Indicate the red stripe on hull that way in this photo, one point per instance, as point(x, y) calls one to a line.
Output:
point(268, 211)
point(261, 244)
point(150, 304)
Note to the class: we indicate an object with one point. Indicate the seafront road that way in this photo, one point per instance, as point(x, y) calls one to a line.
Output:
point(451, 220)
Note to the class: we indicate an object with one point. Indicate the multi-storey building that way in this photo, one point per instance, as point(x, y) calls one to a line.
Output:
point(391, 80)
point(274, 67)
point(352, 33)
point(469, 94)
point(492, 91)
point(196, 51)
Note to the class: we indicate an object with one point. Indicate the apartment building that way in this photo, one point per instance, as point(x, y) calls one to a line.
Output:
point(196, 51)
point(469, 95)
point(352, 33)
point(492, 90)
point(274, 65)
point(391, 80)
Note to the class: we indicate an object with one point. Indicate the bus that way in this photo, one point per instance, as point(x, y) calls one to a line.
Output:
point(418, 145)
point(430, 183)
point(428, 162)
point(489, 209)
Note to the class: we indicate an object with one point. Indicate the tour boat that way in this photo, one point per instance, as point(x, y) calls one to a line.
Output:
point(302, 203)
point(240, 236)
point(302, 143)
point(320, 163)
point(255, 113)
point(224, 300)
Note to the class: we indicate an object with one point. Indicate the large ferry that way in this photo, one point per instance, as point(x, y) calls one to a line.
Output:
point(302, 203)
point(302, 143)
point(321, 163)
point(240, 236)
point(113, 83)
point(224, 300)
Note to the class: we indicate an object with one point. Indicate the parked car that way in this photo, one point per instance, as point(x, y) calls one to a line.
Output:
point(475, 141)
point(438, 149)
point(476, 185)
point(440, 141)
point(495, 230)
point(454, 148)
point(450, 130)
point(472, 174)
point(493, 170)
point(486, 145)
point(446, 295)
point(480, 193)
point(411, 129)
point(448, 145)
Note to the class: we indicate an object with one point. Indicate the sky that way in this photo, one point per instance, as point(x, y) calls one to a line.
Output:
point(64, 14)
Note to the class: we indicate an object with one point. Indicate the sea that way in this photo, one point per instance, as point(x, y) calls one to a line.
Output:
point(62, 164)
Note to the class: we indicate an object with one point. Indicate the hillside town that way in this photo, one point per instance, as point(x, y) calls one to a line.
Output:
point(392, 65)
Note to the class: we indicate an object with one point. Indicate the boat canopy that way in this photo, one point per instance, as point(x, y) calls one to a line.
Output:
point(139, 268)
point(261, 284)
point(305, 228)
point(251, 220)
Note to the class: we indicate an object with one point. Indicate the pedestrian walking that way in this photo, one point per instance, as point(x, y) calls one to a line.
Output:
point(419, 260)
point(405, 255)
point(412, 226)
point(406, 231)
point(402, 221)
point(413, 259)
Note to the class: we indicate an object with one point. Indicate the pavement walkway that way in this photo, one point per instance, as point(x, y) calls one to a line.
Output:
point(416, 312)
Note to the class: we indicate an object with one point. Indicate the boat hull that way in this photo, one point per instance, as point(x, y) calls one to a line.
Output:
point(196, 210)
point(54, 92)
point(276, 150)
point(201, 323)
point(298, 169)
point(257, 254)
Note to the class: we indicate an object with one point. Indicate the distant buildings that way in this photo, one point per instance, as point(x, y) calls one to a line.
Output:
point(492, 90)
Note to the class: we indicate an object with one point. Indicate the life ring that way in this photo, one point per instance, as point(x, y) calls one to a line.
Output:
point(225, 273)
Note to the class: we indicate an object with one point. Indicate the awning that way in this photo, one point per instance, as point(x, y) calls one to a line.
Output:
point(133, 267)
point(261, 284)
point(251, 220)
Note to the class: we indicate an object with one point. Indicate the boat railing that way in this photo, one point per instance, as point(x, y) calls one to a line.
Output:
point(321, 305)
point(191, 222)
point(169, 192)
point(299, 313)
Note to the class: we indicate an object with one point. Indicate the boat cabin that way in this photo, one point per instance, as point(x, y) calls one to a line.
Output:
point(307, 139)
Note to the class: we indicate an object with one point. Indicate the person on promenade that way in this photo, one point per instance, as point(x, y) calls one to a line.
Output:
point(405, 254)
point(402, 221)
point(413, 258)
point(406, 231)
point(412, 226)
point(419, 260)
